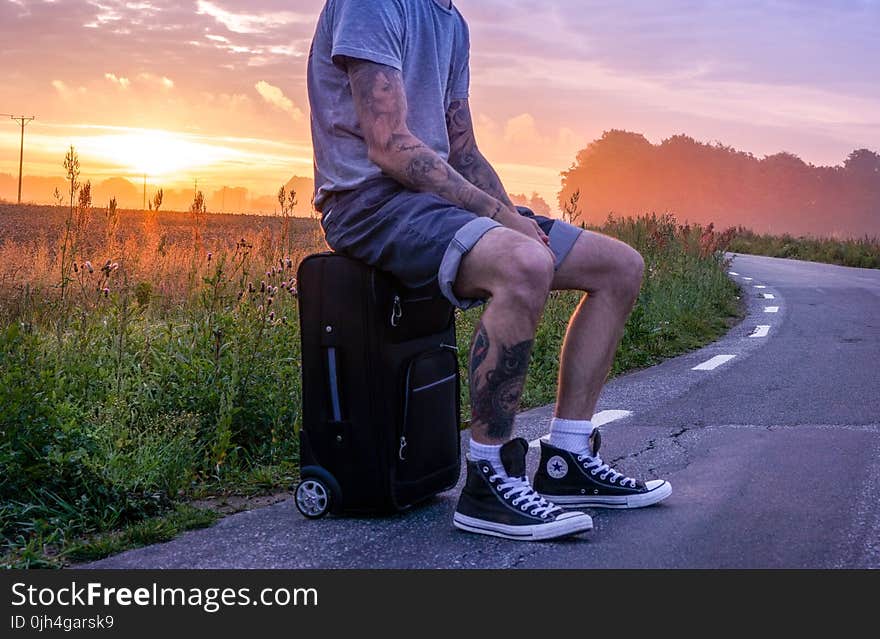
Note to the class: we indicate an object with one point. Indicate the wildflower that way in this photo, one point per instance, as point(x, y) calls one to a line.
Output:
point(240, 295)
point(106, 291)
point(114, 266)
point(75, 267)
point(293, 291)
point(269, 303)
point(281, 261)
point(89, 266)
point(262, 287)
point(272, 316)
point(289, 263)
point(284, 284)
point(269, 273)
point(250, 287)
point(210, 255)
point(260, 308)
point(284, 320)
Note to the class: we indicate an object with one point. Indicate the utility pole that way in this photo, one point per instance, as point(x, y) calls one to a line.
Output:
point(23, 120)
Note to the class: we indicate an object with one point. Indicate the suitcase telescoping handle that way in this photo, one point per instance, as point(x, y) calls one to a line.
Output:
point(328, 341)
point(332, 374)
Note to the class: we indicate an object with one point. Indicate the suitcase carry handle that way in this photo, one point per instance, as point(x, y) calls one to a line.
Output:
point(333, 375)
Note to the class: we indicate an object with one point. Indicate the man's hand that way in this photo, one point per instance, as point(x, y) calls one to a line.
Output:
point(525, 225)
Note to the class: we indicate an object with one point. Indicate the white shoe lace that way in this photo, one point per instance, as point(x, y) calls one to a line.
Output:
point(597, 467)
point(524, 495)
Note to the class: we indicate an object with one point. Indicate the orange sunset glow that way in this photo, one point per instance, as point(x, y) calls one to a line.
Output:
point(215, 92)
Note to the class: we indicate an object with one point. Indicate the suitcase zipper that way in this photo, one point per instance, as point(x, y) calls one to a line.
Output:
point(397, 307)
point(396, 311)
point(408, 390)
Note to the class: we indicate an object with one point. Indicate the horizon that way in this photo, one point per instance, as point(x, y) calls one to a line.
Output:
point(760, 78)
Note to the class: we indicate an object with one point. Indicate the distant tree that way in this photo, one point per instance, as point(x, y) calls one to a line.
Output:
point(535, 202)
point(199, 212)
point(57, 197)
point(701, 182)
point(198, 207)
point(863, 162)
point(157, 200)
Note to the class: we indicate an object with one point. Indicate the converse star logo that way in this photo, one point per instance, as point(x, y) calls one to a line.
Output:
point(557, 467)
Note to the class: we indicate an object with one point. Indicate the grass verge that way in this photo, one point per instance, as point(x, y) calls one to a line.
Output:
point(861, 253)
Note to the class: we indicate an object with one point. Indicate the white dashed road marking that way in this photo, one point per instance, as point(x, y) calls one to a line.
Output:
point(733, 273)
point(760, 286)
point(748, 279)
point(602, 417)
point(769, 296)
point(713, 363)
point(771, 309)
point(761, 331)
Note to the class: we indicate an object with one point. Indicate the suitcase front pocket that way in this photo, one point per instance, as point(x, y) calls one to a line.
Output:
point(429, 437)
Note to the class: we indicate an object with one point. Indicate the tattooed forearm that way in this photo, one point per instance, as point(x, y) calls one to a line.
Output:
point(465, 157)
point(380, 101)
point(495, 392)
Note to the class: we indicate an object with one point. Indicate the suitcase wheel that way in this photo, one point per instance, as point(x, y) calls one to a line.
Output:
point(313, 498)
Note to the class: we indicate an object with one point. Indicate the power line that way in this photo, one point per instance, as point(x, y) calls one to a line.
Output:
point(24, 121)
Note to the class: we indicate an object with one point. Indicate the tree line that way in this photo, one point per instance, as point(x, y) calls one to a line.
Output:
point(624, 174)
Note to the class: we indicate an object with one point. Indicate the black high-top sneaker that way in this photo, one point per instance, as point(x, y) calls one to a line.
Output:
point(491, 504)
point(582, 481)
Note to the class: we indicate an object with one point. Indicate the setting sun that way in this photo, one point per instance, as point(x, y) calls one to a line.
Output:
point(154, 153)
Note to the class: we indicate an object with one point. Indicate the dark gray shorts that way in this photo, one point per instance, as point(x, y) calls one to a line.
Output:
point(418, 237)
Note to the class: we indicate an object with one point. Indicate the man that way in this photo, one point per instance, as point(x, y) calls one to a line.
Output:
point(401, 185)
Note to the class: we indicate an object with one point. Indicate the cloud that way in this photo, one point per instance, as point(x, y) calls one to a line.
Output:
point(160, 81)
point(122, 83)
point(275, 96)
point(247, 23)
point(66, 91)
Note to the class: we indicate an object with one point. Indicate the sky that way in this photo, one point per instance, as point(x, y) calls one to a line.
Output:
point(215, 90)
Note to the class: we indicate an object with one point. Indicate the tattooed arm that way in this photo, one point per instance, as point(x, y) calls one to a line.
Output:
point(465, 157)
point(381, 106)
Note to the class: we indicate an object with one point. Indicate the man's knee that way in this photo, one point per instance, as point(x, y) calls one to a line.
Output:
point(506, 264)
point(527, 277)
point(629, 271)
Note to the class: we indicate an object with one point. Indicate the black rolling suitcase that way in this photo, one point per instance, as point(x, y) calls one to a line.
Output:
point(380, 387)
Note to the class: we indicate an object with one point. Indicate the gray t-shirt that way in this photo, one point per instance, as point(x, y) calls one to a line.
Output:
point(428, 43)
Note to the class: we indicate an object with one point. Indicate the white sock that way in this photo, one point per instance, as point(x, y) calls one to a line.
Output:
point(572, 435)
point(489, 453)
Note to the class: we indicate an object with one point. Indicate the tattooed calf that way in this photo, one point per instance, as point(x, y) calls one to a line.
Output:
point(495, 397)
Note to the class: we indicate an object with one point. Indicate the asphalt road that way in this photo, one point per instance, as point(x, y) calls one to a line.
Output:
point(774, 458)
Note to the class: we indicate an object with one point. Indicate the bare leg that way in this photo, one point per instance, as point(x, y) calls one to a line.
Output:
point(611, 273)
point(516, 272)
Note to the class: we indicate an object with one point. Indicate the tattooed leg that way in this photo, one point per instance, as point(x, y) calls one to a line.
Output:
point(497, 374)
